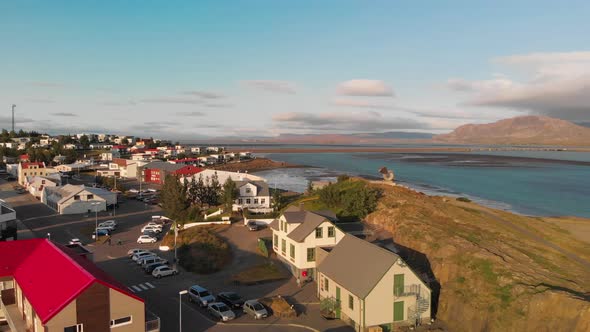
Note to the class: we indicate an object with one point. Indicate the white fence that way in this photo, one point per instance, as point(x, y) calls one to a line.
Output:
point(213, 214)
point(203, 223)
point(259, 221)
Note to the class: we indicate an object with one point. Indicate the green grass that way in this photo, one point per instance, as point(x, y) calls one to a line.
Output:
point(200, 249)
point(260, 273)
point(505, 295)
point(486, 270)
point(460, 280)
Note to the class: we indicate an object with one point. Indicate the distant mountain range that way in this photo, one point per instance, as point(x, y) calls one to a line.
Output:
point(359, 138)
point(522, 130)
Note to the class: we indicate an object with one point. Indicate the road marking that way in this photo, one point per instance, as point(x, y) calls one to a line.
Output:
point(136, 288)
point(131, 289)
point(143, 287)
point(150, 285)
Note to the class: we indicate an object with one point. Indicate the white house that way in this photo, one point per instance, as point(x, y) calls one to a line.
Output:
point(72, 199)
point(297, 233)
point(253, 195)
point(198, 149)
point(369, 286)
point(36, 184)
point(222, 176)
point(108, 156)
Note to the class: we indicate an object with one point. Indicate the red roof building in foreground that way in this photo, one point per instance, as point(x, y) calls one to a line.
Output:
point(49, 287)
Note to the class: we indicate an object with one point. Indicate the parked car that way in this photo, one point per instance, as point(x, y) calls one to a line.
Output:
point(221, 311)
point(146, 239)
point(132, 252)
point(255, 308)
point(154, 224)
point(101, 232)
point(200, 295)
point(148, 260)
point(157, 229)
point(75, 241)
point(232, 299)
point(163, 271)
point(252, 226)
point(110, 227)
point(142, 255)
point(151, 267)
point(109, 222)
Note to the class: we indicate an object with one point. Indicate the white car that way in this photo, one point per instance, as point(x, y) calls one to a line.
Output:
point(75, 241)
point(110, 227)
point(146, 239)
point(132, 252)
point(154, 229)
point(109, 222)
point(163, 271)
point(141, 255)
point(221, 310)
point(154, 224)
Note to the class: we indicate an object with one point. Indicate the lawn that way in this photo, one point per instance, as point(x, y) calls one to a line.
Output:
point(262, 273)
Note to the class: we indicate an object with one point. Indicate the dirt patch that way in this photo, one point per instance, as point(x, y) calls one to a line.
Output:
point(279, 307)
point(263, 273)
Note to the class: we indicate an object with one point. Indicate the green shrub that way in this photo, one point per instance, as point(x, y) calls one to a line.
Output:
point(350, 199)
point(263, 246)
point(463, 199)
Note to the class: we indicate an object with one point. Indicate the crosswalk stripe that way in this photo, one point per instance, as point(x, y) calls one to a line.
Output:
point(150, 285)
point(131, 289)
point(136, 288)
point(143, 287)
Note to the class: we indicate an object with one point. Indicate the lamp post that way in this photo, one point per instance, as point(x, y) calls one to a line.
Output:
point(49, 236)
point(95, 204)
point(175, 236)
point(180, 294)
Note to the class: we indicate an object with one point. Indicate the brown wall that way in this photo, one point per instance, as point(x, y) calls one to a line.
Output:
point(8, 296)
point(123, 305)
point(92, 308)
point(66, 317)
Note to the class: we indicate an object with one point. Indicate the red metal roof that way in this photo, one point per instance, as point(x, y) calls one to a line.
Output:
point(188, 170)
point(39, 164)
point(119, 147)
point(24, 157)
point(51, 275)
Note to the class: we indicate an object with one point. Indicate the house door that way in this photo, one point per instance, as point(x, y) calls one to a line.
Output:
point(398, 311)
point(398, 284)
point(337, 302)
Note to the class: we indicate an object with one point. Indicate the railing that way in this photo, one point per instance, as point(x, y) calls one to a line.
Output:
point(407, 290)
point(152, 322)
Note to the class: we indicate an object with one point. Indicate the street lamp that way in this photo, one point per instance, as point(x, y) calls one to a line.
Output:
point(95, 204)
point(180, 294)
point(49, 236)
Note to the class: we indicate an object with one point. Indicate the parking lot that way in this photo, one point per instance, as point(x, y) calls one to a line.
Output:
point(161, 295)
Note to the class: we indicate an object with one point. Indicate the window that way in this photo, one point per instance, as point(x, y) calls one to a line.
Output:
point(248, 190)
point(121, 321)
point(275, 243)
point(255, 200)
point(74, 328)
point(331, 231)
point(310, 254)
point(281, 225)
point(398, 284)
point(283, 246)
point(90, 197)
point(42, 181)
point(247, 201)
point(76, 197)
point(350, 302)
point(262, 200)
point(240, 201)
point(319, 233)
point(292, 251)
point(327, 284)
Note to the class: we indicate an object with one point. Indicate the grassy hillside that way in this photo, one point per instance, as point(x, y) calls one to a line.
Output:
point(497, 271)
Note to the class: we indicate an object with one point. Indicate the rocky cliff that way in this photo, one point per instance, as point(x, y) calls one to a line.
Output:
point(495, 271)
point(533, 130)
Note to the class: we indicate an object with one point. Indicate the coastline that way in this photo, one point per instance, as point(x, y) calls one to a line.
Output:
point(346, 149)
point(256, 165)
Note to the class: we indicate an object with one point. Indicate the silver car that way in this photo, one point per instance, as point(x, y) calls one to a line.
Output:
point(255, 308)
point(221, 310)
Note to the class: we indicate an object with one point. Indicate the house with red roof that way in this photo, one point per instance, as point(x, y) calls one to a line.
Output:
point(51, 288)
point(26, 169)
point(155, 172)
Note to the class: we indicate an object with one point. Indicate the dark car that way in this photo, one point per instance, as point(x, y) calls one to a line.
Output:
point(233, 300)
point(150, 267)
point(151, 233)
point(252, 225)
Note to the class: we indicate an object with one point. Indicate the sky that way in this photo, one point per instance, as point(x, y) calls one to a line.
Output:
point(190, 69)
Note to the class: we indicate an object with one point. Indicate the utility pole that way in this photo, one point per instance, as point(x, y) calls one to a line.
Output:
point(13, 107)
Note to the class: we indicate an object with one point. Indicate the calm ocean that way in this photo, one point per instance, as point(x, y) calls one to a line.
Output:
point(533, 183)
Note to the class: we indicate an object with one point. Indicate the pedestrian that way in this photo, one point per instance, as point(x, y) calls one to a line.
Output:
point(298, 282)
point(109, 240)
point(119, 242)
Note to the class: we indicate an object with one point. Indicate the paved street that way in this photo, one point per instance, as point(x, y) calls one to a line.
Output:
point(161, 295)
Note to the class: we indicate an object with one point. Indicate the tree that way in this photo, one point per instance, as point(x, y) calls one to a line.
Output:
point(181, 156)
point(85, 141)
point(277, 200)
point(71, 156)
point(309, 187)
point(174, 199)
point(125, 141)
point(230, 193)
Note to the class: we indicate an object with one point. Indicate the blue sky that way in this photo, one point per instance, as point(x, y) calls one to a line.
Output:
point(255, 68)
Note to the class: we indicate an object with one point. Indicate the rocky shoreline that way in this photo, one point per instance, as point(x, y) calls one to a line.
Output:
point(255, 165)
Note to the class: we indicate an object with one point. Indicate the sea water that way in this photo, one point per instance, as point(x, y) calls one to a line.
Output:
point(546, 187)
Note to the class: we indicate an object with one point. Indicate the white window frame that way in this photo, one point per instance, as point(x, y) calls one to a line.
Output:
point(79, 327)
point(113, 325)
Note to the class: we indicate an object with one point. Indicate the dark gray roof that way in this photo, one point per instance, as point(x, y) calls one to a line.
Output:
point(162, 165)
point(308, 221)
point(357, 265)
point(262, 187)
point(275, 224)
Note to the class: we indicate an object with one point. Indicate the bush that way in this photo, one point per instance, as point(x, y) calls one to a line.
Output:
point(464, 199)
point(263, 246)
point(200, 249)
point(350, 198)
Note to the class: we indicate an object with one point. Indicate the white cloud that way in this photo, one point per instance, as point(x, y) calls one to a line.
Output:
point(272, 86)
point(360, 103)
point(171, 100)
point(67, 114)
point(364, 87)
point(193, 113)
point(204, 94)
point(556, 84)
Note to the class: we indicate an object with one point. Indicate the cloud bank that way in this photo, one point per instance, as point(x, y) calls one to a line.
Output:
point(364, 87)
point(285, 87)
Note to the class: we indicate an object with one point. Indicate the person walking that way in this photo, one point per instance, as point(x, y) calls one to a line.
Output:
point(109, 240)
